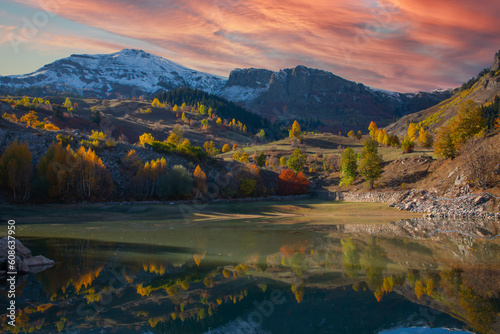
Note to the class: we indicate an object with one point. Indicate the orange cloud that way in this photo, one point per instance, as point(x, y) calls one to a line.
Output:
point(393, 44)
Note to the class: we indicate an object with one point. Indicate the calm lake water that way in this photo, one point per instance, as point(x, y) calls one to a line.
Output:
point(256, 275)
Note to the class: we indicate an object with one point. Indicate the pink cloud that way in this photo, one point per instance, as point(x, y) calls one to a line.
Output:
point(393, 44)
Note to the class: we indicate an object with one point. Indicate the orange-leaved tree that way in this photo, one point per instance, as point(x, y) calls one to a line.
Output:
point(201, 179)
point(290, 183)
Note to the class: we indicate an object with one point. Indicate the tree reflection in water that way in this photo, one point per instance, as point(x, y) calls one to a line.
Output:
point(94, 288)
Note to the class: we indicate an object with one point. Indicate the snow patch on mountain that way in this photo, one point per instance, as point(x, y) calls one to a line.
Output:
point(101, 74)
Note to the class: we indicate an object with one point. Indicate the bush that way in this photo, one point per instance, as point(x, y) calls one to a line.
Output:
point(407, 145)
point(177, 184)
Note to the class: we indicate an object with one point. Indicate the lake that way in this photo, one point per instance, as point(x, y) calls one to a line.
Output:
point(305, 267)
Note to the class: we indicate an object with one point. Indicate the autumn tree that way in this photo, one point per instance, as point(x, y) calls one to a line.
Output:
point(241, 156)
point(173, 139)
point(210, 148)
point(359, 135)
point(16, 170)
point(370, 163)
point(373, 129)
point(424, 138)
point(444, 146)
point(407, 144)
point(296, 132)
point(131, 162)
point(91, 178)
point(31, 119)
point(218, 121)
point(262, 134)
point(348, 167)
point(412, 132)
point(297, 160)
point(202, 109)
point(452, 136)
point(226, 148)
point(351, 134)
point(146, 138)
point(289, 183)
point(468, 122)
point(200, 178)
point(67, 103)
point(55, 171)
point(148, 175)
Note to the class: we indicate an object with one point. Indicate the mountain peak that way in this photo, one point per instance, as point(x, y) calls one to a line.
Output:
point(132, 52)
point(126, 72)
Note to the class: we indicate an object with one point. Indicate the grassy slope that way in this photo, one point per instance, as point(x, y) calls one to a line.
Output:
point(481, 92)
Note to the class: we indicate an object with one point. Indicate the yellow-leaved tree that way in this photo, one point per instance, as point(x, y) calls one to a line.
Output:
point(296, 132)
point(31, 119)
point(90, 177)
point(467, 123)
point(146, 138)
point(412, 132)
point(425, 140)
point(148, 175)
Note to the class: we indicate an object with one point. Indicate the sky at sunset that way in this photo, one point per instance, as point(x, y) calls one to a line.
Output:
point(401, 45)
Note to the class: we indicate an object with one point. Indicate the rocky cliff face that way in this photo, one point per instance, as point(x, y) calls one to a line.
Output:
point(496, 63)
point(303, 92)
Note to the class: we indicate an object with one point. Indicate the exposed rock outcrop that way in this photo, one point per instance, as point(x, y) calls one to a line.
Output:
point(496, 63)
point(25, 262)
point(303, 92)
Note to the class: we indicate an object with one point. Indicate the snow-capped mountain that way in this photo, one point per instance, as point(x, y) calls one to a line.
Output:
point(128, 72)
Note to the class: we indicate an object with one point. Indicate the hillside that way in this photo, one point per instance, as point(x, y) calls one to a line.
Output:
point(481, 90)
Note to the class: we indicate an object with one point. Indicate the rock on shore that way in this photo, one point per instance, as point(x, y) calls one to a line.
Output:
point(472, 206)
point(25, 262)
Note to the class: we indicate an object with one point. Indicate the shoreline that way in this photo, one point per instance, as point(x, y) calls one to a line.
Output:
point(471, 206)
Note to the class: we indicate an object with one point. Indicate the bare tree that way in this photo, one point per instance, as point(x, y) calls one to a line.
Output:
point(480, 158)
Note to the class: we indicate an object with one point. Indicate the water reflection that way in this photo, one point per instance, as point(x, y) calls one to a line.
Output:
point(352, 280)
